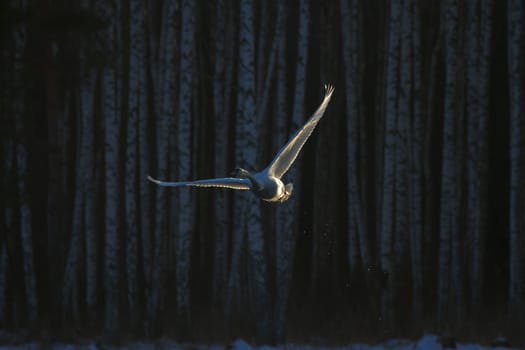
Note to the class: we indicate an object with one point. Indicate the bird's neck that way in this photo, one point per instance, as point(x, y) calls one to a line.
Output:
point(256, 185)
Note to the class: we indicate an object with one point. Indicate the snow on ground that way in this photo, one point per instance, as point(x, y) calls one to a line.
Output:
point(428, 342)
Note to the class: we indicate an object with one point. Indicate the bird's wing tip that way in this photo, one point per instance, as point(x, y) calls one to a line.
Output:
point(150, 178)
point(329, 89)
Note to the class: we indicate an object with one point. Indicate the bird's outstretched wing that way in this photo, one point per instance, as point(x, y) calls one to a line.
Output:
point(287, 155)
point(225, 182)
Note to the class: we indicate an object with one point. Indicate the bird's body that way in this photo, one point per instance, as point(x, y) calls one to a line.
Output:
point(270, 188)
point(266, 184)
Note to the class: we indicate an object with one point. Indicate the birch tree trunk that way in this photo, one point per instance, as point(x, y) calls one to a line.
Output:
point(4, 265)
point(221, 91)
point(266, 60)
point(325, 268)
point(478, 45)
point(165, 91)
point(262, 103)
point(60, 178)
point(262, 59)
point(402, 228)
point(82, 229)
point(515, 15)
point(248, 206)
point(283, 229)
point(416, 168)
point(387, 225)
point(26, 228)
point(235, 297)
point(223, 95)
point(380, 124)
point(449, 197)
point(111, 107)
point(186, 206)
point(145, 127)
point(230, 255)
point(74, 258)
point(91, 240)
point(136, 109)
point(164, 86)
point(288, 213)
point(358, 250)
point(280, 121)
point(8, 163)
point(26, 231)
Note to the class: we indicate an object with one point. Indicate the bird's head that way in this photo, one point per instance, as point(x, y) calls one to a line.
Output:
point(287, 192)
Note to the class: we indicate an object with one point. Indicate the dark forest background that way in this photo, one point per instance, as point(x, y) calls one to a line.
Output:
point(408, 211)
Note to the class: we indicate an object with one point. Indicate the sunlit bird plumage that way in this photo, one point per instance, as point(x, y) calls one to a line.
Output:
point(267, 183)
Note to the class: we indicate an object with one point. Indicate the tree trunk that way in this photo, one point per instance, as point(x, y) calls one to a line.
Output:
point(478, 44)
point(136, 107)
point(231, 282)
point(91, 243)
point(186, 208)
point(358, 250)
point(26, 228)
point(88, 87)
point(145, 127)
point(416, 169)
point(515, 15)
point(404, 114)
point(7, 221)
point(288, 213)
point(248, 206)
point(262, 59)
point(8, 217)
point(221, 142)
point(387, 225)
point(91, 240)
point(283, 231)
point(74, 256)
point(4, 265)
point(449, 196)
point(164, 81)
point(111, 107)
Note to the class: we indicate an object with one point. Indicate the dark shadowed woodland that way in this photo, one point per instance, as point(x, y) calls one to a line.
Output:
point(408, 210)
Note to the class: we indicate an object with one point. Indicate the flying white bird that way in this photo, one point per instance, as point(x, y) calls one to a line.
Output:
point(267, 183)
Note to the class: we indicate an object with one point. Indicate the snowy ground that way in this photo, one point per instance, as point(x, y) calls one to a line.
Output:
point(428, 342)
